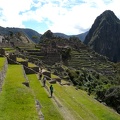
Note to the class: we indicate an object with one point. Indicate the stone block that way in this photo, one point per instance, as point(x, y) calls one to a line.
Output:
point(47, 73)
point(57, 79)
point(52, 81)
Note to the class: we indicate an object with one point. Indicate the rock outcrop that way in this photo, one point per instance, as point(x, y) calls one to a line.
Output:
point(47, 35)
point(104, 36)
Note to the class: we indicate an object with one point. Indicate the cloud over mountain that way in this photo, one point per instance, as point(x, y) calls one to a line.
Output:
point(66, 16)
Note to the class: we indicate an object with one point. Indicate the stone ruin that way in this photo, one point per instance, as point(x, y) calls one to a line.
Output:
point(47, 74)
point(2, 52)
point(12, 58)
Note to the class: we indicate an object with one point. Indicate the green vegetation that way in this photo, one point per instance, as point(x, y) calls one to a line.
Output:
point(35, 37)
point(84, 68)
point(82, 106)
point(9, 49)
point(16, 100)
point(2, 61)
point(104, 88)
point(31, 64)
point(20, 59)
point(48, 109)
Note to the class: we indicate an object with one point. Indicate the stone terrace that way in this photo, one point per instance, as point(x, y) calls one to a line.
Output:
point(91, 61)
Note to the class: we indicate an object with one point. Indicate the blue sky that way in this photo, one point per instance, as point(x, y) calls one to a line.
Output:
point(64, 16)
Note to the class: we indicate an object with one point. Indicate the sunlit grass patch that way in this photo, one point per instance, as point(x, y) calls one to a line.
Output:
point(7, 49)
point(82, 105)
point(20, 59)
point(48, 109)
point(16, 100)
point(31, 64)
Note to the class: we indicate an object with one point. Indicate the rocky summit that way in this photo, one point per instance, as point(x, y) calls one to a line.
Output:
point(104, 36)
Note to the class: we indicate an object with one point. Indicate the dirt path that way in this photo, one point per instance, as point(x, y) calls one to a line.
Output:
point(64, 111)
point(67, 115)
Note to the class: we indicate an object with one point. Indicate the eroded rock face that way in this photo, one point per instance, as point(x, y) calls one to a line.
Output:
point(104, 36)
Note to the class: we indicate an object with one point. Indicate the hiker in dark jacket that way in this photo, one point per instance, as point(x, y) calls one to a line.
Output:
point(40, 73)
point(44, 81)
point(51, 90)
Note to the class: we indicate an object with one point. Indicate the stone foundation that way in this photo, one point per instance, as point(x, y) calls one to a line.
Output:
point(2, 52)
point(31, 70)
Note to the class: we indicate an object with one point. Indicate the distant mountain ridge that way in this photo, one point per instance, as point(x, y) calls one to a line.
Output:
point(80, 36)
point(104, 36)
point(31, 34)
point(35, 36)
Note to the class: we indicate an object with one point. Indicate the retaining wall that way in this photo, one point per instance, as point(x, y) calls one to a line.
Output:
point(3, 73)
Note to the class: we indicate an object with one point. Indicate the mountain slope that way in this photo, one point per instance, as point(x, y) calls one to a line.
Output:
point(104, 36)
point(72, 60)
point(31, 34)
point(67, 103)
point(76, 102)
point(80, 36)
point(35, 36)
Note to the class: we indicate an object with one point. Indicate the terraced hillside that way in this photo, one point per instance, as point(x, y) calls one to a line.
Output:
point(18, 101)
point(80, 56)
point(91, 61)
point(73, 61)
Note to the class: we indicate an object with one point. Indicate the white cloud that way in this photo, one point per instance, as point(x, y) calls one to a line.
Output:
point(11, 10)
point(66, 16)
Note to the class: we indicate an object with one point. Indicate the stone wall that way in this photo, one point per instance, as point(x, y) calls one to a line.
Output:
point(25, 63)
point(3, 73)
point(47, 74)
point(11, 59)
point(51, 58)
point(26, 83)
point(3, 45)
point(2, 52)
point(31, 70)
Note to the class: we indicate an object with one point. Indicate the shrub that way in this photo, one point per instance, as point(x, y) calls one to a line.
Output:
point(112, 97)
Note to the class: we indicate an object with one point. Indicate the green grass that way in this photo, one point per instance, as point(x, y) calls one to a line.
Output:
point(2, 61)
point(91, 106)
point(16, 100)
point(23, 60)
point(20, 59)
point(31, 64)
point(9, 49)
point(82, 106)
point(48, 109)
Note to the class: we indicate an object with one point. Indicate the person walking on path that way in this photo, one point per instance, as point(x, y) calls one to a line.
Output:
point(40, 73)
point(44, 81)
point(51, 90)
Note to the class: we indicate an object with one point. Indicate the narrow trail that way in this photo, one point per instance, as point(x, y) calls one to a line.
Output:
point(75, 105)
point(64, 111)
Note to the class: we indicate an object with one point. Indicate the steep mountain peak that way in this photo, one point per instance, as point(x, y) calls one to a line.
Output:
point(104, 35)
point(108, 13)
point(107, 16)
point(48, 34)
